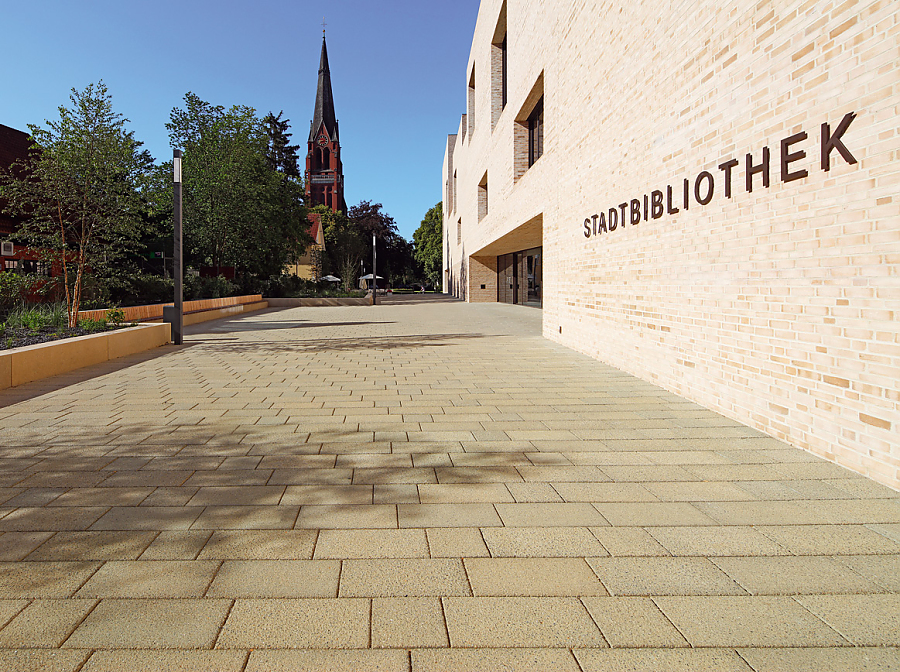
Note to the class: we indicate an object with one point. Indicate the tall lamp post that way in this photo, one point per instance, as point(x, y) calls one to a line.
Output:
point(374, 274)
point(175, 314)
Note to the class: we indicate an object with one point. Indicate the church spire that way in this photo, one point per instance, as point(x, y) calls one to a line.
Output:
point(324, 113)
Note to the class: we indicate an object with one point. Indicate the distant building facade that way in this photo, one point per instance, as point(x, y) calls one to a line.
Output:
point(702, 194)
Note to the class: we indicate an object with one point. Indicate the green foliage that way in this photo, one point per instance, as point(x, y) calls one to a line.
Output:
point(79, 191)
point(16, 287)
point(208, 288)
point(38, 317)
point(115, 316)
point(429, 243)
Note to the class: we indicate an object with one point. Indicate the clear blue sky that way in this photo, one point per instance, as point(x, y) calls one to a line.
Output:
point(397, 68)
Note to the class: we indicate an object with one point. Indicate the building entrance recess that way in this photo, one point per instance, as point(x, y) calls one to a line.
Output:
point(520, 277)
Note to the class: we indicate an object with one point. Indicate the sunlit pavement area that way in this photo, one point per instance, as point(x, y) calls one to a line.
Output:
point(423, 485)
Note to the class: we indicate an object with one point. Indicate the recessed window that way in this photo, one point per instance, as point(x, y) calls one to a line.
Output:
point(498, 68)
point(483, 198)
point(459, 232)
point(470, 116)
point(536, 133)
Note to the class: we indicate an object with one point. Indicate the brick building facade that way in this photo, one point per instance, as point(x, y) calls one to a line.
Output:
point(702, 194)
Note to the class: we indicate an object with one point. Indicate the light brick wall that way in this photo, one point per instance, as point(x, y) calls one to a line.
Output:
point(777, 307)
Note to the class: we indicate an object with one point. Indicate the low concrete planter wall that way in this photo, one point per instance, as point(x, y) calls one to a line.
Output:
point(318, 302)
point(155, 311)
point(36, 362)
point(218, 313)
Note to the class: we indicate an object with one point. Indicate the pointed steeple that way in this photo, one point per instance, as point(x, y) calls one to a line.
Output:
point(324, 113)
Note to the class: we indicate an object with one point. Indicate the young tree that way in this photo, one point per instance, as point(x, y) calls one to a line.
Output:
point(395, 260)
point(79, 190)
point(428, 241)
point(345, 245)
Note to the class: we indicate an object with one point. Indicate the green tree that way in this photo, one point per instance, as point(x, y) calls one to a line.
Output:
point(395, 259)
point(429, 244)
point(345, 245)
point(79, 190)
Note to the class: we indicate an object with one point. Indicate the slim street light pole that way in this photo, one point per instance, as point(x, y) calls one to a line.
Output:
point(374, 274)
point(175, 314)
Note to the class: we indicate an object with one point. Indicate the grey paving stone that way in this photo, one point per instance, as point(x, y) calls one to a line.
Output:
point(297, 623)
point(151, 624)
point(502, 660)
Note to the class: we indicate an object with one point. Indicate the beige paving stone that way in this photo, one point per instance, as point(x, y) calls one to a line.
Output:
point(604, 492)
point(174, 496)
point(663, 576)
point(647, 473)
point(698, 492)
point(375, 461)
point(297, 623)
point(765, 513)
point(381, 543)
point(881, 569)
point(151, 624)
point(76, 546)
point(448, 515)
point(17, 545)
point(237, 495)
point(550, 515)
point(632, 622)
point(337, 516)
point(276, 578)
point(401, 622)
point(456, 542)
point(146, 478)
point(46, 519)
point(233, 477)
point(431, 460)
point(36, 660)
point(864, 620)
point(170, 661)
point(44, 624)
point(520, 622)
point(794, 576)
point(246, 518)
point(476, 660)
point(822, 660)
point(9, 608)
point(176, 545)
point(34, 497)
point(726, 621)
point(102, 497)
point(652, 514)
point(463, 493)
point(43, 579)
point(830, 539)
point(533, 492)
point(150, 578)
point(148, 518)
point(562, 474)
point(403, 578)
point(396, 493)
point(518, 577)
point(478, 474)
point(311, 477)
point(540, 542)
point(327, 494)
point(294, 461)
point(328, 661)
point(715, 540)
point(654, 660)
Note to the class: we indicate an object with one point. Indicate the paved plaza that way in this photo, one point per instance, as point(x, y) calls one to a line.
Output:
point(421, 486)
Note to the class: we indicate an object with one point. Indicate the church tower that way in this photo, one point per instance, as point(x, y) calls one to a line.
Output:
point(324, 172)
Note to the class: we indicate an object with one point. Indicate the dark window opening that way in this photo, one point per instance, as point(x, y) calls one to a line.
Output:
point(503, 74)
point(536, 133)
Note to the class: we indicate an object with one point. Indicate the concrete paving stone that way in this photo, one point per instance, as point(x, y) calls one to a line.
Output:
point(246, 518)
point(448, 515)
point(151, 624)
point(381, 543)
point(146, 478)
point(237, 495)
point(147, 518)
point(714, 541)
point(540, 542)
point(326, 623)
point(414, 577)
point(150, 578)
point(402, 622)
point(562, 474)
point(102, 497)
point(46, 519)
point(456, 542)
point(62, 479)
point(820, 469)
point(75, 546)
point(463, 492)
point(234, 477)
point(17, 545)
point(642, 514)
point(276, 578)
point(653, 660)
point(36, 660)
point(810, 489)
point(364, 660)
point(533, 492)
point(733, 472)
point(489, 459)
point(520, 577)
point(881, 569)
point(663, 576)
point(632, 622)
point(9, 608)
point(374, 461)
point(394, 475)
point(765, 513)
point(794, 576)
point(242, 462)
point(34, 497)
point(431, 460)
point(44, 624)
point(176, 545)
point(830, 539)
point(359, 516)
point(170, 661)
point(548, 459)
point(859, 486)
point(501, 660)
point(860, 659)
point(644, 473)
point(859, 511)
point(327, 494)
point(550, 515)
point(698, 492)
point(43, 579)
point(602, 459)
point(519, 622)
point(396, 493)
point(864, 620)
point(726, 621)
point(184, 463)
point(478, 474)
point(686, 457)
point(311, 477)
point(604, 492)
point(174, 496)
